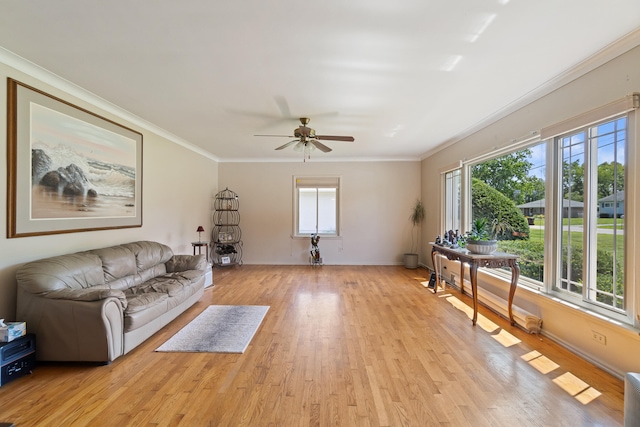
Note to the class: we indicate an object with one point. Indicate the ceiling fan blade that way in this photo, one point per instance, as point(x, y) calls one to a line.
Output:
point(320, 146)
point(288, 144)
point(279, 136)
point(335, 138)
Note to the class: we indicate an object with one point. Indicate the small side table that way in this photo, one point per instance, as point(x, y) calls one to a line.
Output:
point(199, 245)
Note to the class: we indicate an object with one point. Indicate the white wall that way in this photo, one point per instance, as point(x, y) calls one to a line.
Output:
point(177, 189)
point(611, 81)
point(376, 203)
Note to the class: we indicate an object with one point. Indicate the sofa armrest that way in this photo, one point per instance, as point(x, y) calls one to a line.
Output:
point(179, 263)
point(88, 294)
point(74, 326)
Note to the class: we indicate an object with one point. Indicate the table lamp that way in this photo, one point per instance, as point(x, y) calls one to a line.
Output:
point(199, 230)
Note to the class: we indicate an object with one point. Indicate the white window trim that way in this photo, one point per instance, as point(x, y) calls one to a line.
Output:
point(317, 181)
point(629, 105)
point(444, 196)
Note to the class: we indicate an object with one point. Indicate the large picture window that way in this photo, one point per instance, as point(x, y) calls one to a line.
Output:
point(316, 201)
point(558, 202)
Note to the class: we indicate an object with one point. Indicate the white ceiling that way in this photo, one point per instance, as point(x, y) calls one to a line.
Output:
point(401, 76)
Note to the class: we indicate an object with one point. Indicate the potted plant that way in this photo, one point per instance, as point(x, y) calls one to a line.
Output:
point(482, 237)
point(416, 218)
point(480, 240)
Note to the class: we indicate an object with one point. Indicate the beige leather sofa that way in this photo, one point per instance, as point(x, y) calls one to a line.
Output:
point(97, 305)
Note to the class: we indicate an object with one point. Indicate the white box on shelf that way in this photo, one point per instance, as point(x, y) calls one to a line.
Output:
point(12, 330)
point(225, 260)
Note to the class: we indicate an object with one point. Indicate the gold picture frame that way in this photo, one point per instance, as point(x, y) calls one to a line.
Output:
point(68, 169)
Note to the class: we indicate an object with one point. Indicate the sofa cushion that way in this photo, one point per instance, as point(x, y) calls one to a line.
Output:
point(148, 274)
point(188, 275)
point(117, 262)
point(143, 301)
point(186, 262)
point(123, 283)
point(168, 285)
point(144, 308)
point(149, 254)
point(76, 271)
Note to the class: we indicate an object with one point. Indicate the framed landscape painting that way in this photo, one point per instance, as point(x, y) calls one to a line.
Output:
point(68, 169)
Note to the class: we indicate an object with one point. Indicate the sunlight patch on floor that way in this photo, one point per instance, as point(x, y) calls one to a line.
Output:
point(482, 321)
point(485, 323)
point(531, 355)
point(460, 306)
point(505, 338)
point(573, 385)
point(588, 396)
point(541, 363)
point(577, 388)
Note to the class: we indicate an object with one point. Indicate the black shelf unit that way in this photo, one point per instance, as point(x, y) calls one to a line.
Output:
point(226, 235)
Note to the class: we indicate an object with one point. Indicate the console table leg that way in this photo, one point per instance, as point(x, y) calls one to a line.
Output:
point(473, 273)
point(515, 274)
point(436, 271)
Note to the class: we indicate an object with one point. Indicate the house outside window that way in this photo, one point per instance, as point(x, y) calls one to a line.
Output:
point(316, 206)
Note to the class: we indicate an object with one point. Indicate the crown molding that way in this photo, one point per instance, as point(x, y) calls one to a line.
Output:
point(27, 67)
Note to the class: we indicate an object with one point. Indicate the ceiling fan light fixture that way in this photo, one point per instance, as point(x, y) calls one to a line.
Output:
point(299, 147)
point(305, 148)
point(308, 141)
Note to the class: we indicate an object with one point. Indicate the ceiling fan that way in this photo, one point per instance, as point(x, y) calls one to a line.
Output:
point(307, 140)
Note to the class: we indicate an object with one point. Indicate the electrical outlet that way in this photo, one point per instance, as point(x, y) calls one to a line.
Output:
point(598, 337)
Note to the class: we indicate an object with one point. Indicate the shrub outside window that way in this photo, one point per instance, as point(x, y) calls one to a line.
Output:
point(509, 192)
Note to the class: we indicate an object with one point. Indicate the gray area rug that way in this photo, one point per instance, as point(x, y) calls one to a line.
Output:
point(218, 329)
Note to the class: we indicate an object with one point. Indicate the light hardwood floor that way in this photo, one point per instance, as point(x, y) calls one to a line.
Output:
point(340, 346)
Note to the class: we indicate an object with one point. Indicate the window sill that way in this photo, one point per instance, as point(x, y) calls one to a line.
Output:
point(322, 237)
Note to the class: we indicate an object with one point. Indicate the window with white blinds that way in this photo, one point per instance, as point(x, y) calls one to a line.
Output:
point(316, 206)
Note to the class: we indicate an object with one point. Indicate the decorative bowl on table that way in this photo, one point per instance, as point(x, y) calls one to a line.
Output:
point(482, 247)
